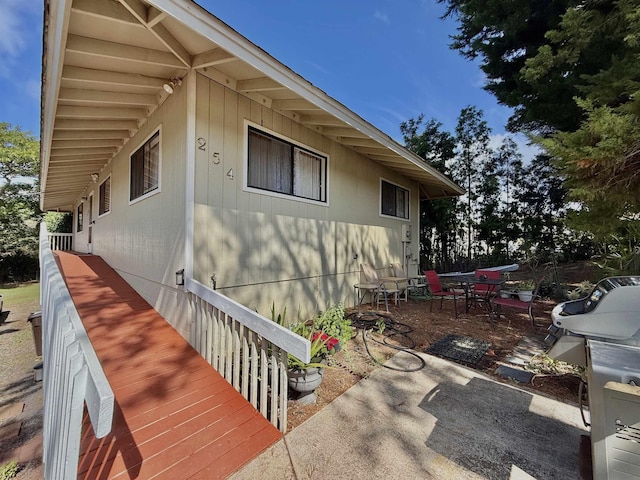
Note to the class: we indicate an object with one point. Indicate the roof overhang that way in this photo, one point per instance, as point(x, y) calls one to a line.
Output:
point(105, 63)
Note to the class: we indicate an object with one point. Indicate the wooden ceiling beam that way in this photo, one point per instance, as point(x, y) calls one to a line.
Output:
point(361, 142)
point(87, 157)
point(118, 51)
point(298, 104)
point(380, 152)
point(91, 134)
point(141, 12)
point(89, 143)
point(101, 9)
point(72, 124)
point(212, 57)
point(80, 151)
point(261, 84)
point(103, 77)
point(107, 113)
point(341, 132)
point(321, 120)
point(77, 95)
point(155, 16)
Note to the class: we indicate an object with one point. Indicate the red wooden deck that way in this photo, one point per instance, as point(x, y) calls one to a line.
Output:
point(175, 416)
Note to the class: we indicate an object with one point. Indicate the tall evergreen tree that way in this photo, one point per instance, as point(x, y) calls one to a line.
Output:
point(437, 217)
point(504, 34)
point(472, 141)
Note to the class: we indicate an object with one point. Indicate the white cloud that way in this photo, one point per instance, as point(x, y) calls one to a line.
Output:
point(479, 81)
point(16, 17)
point(12, 37)
point(318, 67)
point(33, 88)
point(378, 15)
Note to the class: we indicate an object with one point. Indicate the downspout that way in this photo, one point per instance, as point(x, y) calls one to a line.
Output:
point(189, 203)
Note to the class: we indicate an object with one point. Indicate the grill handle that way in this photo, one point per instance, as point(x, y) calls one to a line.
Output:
point(582, 390)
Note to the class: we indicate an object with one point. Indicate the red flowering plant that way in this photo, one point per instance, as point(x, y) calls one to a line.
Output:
point(328, 332)
point(322, 346)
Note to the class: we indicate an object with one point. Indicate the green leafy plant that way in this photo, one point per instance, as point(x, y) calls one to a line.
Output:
point(334, 323)
point(580, 291)
point(526, 285)
point(322, 346)
point(279, 318)
point(328, 332)
point(380, 326)
point(9, 470)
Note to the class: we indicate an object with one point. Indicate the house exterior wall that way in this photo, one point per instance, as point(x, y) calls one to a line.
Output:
point(262, 249)
point(144, 240)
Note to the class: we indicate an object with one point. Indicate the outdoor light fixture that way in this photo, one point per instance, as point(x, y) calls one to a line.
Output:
point(180, 277)
point(94, 177)
point(171, 85)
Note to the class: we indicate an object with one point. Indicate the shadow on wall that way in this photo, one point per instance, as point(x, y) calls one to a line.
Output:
point(303, 263)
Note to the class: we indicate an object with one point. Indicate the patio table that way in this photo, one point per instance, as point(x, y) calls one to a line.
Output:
point(493, 287)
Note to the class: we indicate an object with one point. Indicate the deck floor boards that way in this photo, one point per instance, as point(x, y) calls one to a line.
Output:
point(176, 417)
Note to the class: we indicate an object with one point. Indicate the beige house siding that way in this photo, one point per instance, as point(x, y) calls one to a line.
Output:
point(263, 249)
point(144, 241)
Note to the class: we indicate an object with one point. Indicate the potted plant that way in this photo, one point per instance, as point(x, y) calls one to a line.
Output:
point(303, 377)
point(525, 290)
point(328, 332)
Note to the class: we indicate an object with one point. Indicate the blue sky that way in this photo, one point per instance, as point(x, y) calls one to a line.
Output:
point(385, 60)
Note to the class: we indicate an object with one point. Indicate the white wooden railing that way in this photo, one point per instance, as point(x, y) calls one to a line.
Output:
point(72, 375)
point(247, 349)
point(61, 241)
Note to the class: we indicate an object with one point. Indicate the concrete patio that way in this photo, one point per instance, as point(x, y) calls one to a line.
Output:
point(443, 422)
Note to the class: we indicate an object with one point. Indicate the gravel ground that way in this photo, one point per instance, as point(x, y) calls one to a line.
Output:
point(17, 385)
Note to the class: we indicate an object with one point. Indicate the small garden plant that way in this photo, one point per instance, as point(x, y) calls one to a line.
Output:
point(9, 470)
point(328, 332)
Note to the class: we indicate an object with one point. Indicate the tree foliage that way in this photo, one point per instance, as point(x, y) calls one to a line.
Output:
point(472, 140)
point(504, 34)
point(437, 217)
point(510, 209)
point(571, 71)
point(19, 211)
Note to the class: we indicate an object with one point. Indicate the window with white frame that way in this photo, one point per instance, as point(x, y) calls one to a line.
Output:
point(79, 219)
point(145, 168)
point(279, 166)
point(104, 205)
point(394, 200)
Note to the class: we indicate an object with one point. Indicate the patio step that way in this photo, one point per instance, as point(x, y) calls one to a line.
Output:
point(527, 348)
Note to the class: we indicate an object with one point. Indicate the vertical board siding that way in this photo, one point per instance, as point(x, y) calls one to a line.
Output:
point(144, 241)
point(257, 245)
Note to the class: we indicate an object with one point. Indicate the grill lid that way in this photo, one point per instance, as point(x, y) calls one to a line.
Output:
point(610, 311)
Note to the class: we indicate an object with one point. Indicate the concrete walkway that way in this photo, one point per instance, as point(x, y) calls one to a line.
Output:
point(443, 422)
